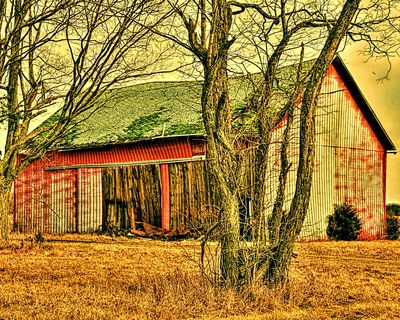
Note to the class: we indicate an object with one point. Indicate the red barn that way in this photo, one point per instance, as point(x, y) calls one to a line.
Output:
point(142, 157)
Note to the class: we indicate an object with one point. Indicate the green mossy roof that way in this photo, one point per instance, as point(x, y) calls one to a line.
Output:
point(142, 111)
point(155, 109)
point(146, 111)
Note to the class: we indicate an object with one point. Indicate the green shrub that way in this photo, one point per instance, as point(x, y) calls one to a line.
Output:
point(343, 224)
point(393, 209)
point(392, 228)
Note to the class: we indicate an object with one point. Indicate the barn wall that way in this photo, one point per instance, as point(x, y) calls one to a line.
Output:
point(56, 194)
point(63, 193)
point(350, 163)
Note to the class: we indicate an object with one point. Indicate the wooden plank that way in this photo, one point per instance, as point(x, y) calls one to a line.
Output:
point(130, 198)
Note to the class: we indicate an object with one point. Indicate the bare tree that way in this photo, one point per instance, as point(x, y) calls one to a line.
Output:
point(208, 39)
point(233, 35)
point(287, 28)
point(62, 54)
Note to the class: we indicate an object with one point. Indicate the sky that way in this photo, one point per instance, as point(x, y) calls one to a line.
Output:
point(384, 98)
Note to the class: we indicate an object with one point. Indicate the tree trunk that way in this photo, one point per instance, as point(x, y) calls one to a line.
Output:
point(5, 205)
point(217, 118)
point(260, 198)
point(220, 154)
point(292, 222)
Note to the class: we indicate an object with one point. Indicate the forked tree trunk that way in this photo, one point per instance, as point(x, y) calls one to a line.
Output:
point(292, 222)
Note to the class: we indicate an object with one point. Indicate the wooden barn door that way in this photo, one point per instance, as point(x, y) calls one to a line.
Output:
point(131, 194)
point(192, 203)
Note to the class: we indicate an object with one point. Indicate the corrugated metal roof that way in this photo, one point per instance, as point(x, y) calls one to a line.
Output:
point(161, 149)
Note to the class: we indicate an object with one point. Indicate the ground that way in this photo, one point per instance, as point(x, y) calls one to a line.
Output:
point(99, 277)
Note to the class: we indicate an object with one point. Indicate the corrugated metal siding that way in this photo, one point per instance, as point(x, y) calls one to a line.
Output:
point(349, 163)
point(62, 207)
point(90, 200)
point(146, 151)
point(71, 200)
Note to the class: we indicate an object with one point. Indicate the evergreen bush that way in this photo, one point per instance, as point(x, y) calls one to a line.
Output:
point(343, 224)
point(393, 209)
point(392, 228)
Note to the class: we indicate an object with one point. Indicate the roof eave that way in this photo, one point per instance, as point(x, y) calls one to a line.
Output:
point(365, 108)
point(126, 142)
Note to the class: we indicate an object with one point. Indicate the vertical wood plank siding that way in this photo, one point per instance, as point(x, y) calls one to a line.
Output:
point(131, 194)
point(189, 204)
point(192, 205)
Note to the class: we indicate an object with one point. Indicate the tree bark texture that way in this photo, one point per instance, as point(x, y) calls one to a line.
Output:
point(292, 222)
point(8, 163)
point(5, 193)
point(217, 118)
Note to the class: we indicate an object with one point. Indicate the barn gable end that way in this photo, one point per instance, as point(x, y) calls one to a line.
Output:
point(350, 160)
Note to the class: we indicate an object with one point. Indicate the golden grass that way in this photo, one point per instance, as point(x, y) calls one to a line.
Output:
point(98, 277)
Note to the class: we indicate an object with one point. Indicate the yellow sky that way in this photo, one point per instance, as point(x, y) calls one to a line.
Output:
point(384, 98)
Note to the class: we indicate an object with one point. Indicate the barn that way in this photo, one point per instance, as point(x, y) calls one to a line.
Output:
point(142, 157)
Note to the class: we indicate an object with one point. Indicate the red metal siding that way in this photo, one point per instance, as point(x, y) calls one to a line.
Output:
point(165, 197)
point(146, 151)
point(349, 163)
point(45, 201)
point(70, 200)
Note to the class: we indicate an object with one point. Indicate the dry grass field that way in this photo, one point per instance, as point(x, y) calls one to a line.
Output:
point(98, 277)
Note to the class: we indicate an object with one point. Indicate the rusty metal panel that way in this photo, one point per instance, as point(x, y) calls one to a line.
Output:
point(29, 199)
point(45, 201)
